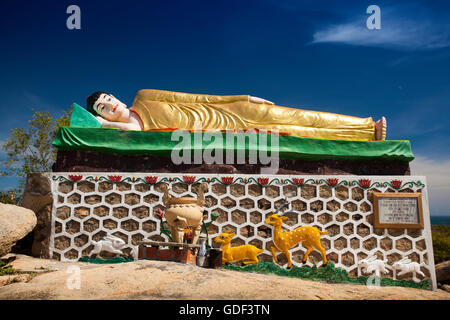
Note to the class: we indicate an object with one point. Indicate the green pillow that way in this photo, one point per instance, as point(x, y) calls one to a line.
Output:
point(83, 118)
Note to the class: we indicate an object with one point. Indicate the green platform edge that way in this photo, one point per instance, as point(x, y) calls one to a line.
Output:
point(291, 147)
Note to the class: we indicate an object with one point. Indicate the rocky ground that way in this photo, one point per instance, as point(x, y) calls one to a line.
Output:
point(144, 279)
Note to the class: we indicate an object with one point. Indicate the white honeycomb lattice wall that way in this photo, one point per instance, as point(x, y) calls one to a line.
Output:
point(87, 206)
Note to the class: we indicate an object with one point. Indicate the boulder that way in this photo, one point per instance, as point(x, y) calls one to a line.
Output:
point(15, 223)
point(443, 272)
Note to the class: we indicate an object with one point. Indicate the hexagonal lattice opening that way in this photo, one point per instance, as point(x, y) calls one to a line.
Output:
point(354, 243)
point(142, 187)
point(105, 186)
point(306, 218)
point(292, 218)
point(229, 227)
point(350, 206)
point(113, 198)
point(65, 187)
point(272, 191)
point(325, 191)
point(131, 199)
point(308, 192)
point(90, 225)
point(341, 192)
point(136, 237)
point(370, 218)
point(370, 243)
point(403, 244)
point(93, 199)
point(120, 212)
point(210, 201)
point(101, 211)
point(333, 230)
point(247, 203)
point(247, 231)
point(149, 226)
point(123, 186)
point(86, 186)
point(72, 227)
point(347, 229)
point(218, 189)
point(81, 240)
point(298, 205)
point(129, 225)
point(393, 257)
point(74, 198)
point(363, 230)
point(63, 212)
point(357, 194)
point(99, 235)
point(365, 207)
point(386, 244)
point(396, 232)
point(62, 242)
point(326, 243)
point(255, 190)
point(121, 235)
point(255, 217)
point(151, 198)
point(340, 243)
point(109, 224)
point(237, 190)
point(141, 212)
point(420, 245)
point(333, 205)
point(357, 217)
point(264, 204)
point(316, 206)
point(348, 259)
point(238, 216)
point(264, 231)
point(179, 187)
point(290, 191)
point(81, 212)
point(71, 254)
point(341, 216)
point(324, 218)
point(227, 202)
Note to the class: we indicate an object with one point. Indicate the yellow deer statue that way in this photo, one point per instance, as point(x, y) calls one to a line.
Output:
point(308, 236)
point(247, 252)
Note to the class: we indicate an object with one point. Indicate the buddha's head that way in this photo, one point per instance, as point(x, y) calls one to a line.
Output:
point(105, 105)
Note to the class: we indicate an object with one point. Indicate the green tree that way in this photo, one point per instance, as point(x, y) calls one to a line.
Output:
point(29, 149)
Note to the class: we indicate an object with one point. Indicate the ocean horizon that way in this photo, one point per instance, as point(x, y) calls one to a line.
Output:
point(440, 220)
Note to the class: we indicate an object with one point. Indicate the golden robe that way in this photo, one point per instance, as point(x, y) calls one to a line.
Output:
point(159, 109)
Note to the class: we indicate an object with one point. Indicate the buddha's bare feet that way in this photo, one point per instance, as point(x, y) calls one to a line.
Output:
point(380, 129)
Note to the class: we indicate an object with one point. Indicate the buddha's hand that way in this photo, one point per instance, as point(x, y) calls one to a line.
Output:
point(101, 120)
point(260, 100)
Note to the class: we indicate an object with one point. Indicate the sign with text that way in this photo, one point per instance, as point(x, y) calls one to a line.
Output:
point(398, 210)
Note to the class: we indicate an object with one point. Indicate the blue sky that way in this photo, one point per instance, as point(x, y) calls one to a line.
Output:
point(310, 54)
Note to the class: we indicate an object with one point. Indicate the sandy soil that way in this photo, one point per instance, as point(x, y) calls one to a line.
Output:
point(144, 279)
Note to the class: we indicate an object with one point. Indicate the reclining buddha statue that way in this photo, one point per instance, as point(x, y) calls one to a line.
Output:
point(159, 109)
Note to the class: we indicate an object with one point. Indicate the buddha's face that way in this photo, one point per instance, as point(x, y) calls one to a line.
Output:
point(109, 107)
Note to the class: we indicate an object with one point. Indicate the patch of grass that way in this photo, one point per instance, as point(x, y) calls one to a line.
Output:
point(441, 242)
point(94, 259)
point(329, 273)
point(6, 270)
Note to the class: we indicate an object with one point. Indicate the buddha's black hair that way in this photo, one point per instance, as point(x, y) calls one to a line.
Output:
point(91, 100)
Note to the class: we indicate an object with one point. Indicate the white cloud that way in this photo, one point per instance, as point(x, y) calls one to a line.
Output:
point(401, 28)
point(437, 173)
